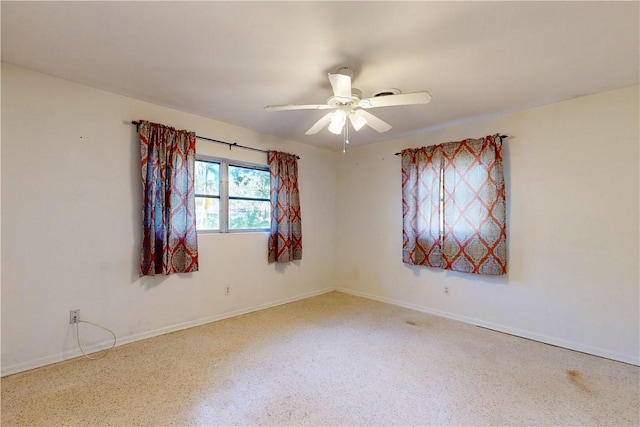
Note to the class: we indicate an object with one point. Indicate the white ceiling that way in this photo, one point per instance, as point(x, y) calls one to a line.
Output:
point(227, 60)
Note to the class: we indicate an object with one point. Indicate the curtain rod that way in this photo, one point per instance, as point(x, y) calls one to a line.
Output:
point(230, 144)
point(501, 138)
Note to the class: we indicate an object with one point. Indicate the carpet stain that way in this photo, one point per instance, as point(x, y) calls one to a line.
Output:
point(576, 379)
point(411, 322)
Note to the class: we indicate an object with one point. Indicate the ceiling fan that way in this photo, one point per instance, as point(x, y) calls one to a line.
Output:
point(347, 102)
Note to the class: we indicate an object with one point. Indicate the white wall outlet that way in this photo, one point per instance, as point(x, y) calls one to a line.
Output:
point(227, 290)
point(74, 316)
point(446, 290)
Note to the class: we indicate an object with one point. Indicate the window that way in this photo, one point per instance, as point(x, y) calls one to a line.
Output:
point(453, 206)
point(207, 186)
point(231, 196)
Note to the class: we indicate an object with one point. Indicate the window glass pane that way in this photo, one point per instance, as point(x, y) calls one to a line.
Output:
point(247, 182)
point(207, 178)
point(207, 213)
point(246, 214)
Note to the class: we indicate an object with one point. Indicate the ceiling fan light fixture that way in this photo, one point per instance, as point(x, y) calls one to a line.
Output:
point(357, 121)
point(338, 119)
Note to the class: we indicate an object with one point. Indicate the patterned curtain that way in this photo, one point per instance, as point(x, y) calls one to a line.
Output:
point(169, 241)
point(464, 227)
point(421, 168)
point(285, 239)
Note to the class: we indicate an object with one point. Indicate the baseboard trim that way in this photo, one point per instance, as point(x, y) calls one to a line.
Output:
point(545, 339)
point(72, 354)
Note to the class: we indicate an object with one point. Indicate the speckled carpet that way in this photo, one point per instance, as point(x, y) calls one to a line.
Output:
point(334, 359)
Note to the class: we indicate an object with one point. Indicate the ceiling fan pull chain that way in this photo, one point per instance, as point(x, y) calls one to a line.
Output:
point(346, 138)
point(344, 142)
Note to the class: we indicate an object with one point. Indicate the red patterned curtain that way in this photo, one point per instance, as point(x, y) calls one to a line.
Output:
point(421, 239)
point(169, 241)
point(463, 228)
point(285, 239)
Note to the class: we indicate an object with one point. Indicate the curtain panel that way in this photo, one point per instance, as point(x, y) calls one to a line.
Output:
point(169, 240)
point(285, 238)
point(454, 207)
point(421, 240)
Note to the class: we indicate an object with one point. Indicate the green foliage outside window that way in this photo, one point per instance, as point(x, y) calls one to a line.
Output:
point(248, 202)
point(250, 183)
point(207, 183)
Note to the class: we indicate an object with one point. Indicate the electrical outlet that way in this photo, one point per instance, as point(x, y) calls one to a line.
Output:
point(446, 290)
point(227, 290)
point(74, 316)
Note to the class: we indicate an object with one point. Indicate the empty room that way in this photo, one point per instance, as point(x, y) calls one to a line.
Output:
point(320, 213)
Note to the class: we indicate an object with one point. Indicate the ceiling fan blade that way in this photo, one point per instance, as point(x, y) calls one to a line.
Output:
point(325, 120)
point(341, 85)
point(297, 107)
point(377, 124)
point(394, 100)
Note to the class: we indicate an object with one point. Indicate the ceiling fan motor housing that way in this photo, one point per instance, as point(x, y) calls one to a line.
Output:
point(356, 96)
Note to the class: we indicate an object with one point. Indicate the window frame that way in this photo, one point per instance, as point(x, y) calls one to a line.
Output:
point(224, 196)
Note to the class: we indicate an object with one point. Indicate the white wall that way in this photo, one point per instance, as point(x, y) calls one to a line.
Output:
point(71, 226)
point(71, 232)
point(572, 204)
